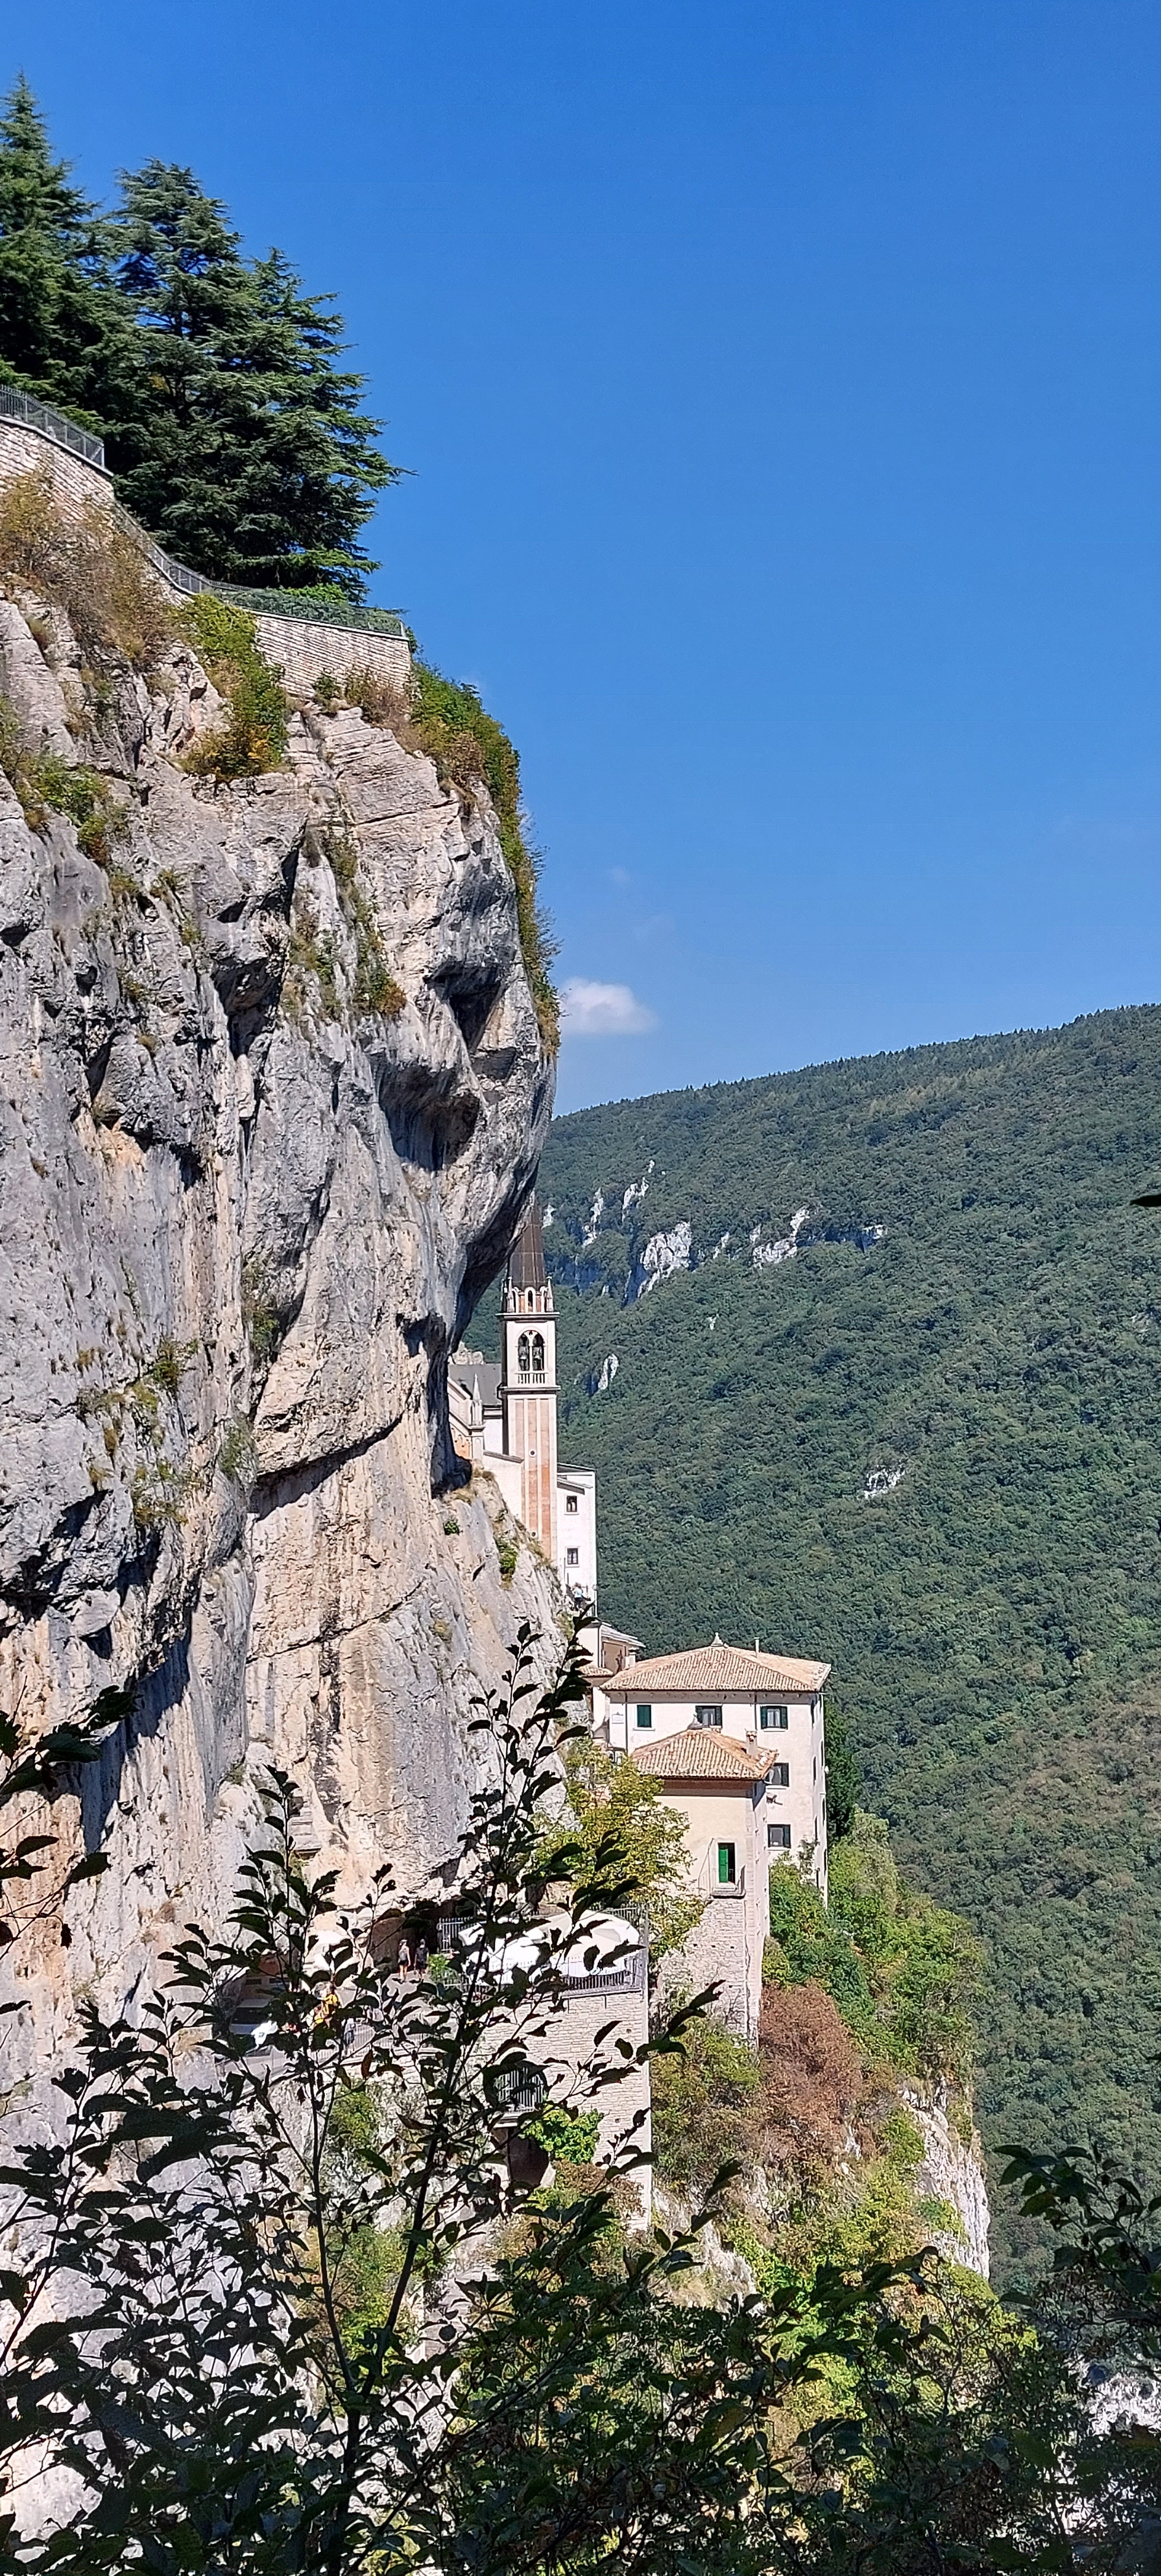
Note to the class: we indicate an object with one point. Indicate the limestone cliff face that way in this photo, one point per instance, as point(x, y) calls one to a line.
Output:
point(243, 1218)
point(952, 2174)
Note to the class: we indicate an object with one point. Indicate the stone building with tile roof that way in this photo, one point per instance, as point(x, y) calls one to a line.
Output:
point(741, 1697)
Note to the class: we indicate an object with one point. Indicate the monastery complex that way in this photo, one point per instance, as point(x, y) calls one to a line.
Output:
point(734, 1735)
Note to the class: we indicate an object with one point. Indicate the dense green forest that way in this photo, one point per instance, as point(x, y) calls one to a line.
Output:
point(927, 1446)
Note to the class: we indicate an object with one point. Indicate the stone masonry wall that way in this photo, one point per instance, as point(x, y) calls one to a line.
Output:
point(300, 647)
point(77, 484)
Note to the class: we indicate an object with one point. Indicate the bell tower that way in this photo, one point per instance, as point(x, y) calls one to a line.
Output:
point(528, 1381)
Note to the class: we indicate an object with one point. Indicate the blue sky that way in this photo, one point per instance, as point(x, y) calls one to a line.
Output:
point(782, 385)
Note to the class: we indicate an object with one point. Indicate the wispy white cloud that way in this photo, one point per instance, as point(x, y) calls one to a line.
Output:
point(603, 1010)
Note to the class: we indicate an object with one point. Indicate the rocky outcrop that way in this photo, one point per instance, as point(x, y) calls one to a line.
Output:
point(951, 2177)
point(273, 1096)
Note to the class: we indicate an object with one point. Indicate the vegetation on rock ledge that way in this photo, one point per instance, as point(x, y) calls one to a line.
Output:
point(253, 738)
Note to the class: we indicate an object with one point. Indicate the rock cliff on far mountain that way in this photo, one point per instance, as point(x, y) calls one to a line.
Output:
point(273, 1095)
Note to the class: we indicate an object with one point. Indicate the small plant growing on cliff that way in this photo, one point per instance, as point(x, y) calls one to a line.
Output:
point(91, 566)
point(375, 988)
point(237, 1456)
point(310, 954)
point(45, 783)
point(263, 1322)
point(160, 1493)
point(170, 1362)
point(383, 701)
point(254, 736)
point(31, 529)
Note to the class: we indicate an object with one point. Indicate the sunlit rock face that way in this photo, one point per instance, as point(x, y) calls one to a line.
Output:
point(950, 2179)
point(273, 1095)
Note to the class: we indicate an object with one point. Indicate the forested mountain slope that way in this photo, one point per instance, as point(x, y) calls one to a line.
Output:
point(887, 1337)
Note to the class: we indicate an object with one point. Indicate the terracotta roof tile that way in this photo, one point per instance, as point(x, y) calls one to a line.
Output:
point(702, 1753)
point(706, 1669)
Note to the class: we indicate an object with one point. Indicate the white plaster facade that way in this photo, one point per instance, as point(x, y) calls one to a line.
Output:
point(718, 1786)
point(772, 1701)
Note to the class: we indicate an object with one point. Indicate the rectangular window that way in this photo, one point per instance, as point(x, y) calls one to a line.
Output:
point(779, 1717)
point(570, 1502)
point(572, 1556)
point(778, 1775)
point(778, 1837)
point(644, 1716)
point(727, 1865)
point(708, 1716)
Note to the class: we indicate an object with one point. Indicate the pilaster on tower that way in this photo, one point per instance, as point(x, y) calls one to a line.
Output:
point(528, 1382)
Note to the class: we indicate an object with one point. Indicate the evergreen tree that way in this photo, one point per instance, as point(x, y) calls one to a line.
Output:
point(241, 447)
point(64, 333)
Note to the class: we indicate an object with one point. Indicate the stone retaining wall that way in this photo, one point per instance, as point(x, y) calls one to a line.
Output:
point(75, 483)
point(298, 646)
point(301, 649)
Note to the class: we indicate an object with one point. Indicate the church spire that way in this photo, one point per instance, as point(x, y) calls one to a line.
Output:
point(526, 1267)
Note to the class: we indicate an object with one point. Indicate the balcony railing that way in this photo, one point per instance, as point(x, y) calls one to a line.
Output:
point(51, 424)
point(532, 1377)
point(262, 603)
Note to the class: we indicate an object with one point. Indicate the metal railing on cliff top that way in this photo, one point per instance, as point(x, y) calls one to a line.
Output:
point(263, 603)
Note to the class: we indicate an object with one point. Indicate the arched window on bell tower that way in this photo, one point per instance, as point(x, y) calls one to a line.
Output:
point(538, 1352)
point(523, 1360)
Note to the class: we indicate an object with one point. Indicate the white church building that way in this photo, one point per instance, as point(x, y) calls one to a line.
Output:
point(734, 1734)
point(504, 1417)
